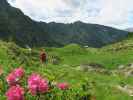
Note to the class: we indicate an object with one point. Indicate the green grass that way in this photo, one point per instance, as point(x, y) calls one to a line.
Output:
point(102, 86)
point(109, 59)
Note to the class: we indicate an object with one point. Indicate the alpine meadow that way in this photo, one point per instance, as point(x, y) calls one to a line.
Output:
point(76, 60)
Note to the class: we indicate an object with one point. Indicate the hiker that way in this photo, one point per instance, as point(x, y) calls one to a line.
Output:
point(43, 56)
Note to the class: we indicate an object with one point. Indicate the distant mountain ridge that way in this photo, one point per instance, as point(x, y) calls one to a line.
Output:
point(15, 26)
point(129, 29)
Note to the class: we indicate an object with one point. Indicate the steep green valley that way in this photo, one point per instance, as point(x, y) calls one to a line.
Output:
point(89, 71)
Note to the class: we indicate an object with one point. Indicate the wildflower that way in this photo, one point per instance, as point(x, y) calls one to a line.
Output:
point(11, 79)
point(15, 76)
point(15, 93)
point(37, 84)
point(63, 86)
point(19, 72)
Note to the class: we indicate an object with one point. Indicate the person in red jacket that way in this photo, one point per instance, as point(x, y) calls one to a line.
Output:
point(43, 56)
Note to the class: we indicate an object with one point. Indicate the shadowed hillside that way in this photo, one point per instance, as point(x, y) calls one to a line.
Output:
point(16, 26)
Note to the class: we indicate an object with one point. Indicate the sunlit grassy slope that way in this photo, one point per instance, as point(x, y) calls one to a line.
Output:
point(102, 86)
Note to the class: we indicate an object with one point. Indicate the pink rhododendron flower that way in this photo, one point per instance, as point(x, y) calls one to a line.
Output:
point(37, 84)
point(15, 76)
point(15, 93)
point(19, 72)
point(11, 79)
point(63, 86)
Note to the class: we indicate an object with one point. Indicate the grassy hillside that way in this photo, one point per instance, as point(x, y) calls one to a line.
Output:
point(67, 65)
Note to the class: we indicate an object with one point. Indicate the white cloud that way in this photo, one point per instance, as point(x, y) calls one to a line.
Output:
point(116, 13)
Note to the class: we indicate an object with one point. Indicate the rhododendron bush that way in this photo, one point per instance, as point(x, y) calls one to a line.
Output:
point(36, 87)
point(15, 93)
point(37, 84)
point(63, 86)
point(14, 77)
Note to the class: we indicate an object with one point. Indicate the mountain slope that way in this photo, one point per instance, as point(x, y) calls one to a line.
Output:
point(124, 45)
point(129, 29)
point(19, 27)
point(85, 34)
point(16, 26)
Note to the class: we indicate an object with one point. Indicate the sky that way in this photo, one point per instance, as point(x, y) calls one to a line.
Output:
point(114, 13)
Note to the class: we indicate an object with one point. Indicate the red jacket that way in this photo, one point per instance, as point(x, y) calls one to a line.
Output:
point(43, 57)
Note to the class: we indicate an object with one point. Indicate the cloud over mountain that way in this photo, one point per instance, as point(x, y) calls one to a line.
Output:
point(116, 13)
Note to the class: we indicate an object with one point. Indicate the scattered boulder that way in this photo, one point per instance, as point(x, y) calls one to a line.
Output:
point(127, 89)
point(126, 70)
point(130, 65)
point(91, 66)
point(94, 67)
point(85, 67)
point(121, 66)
